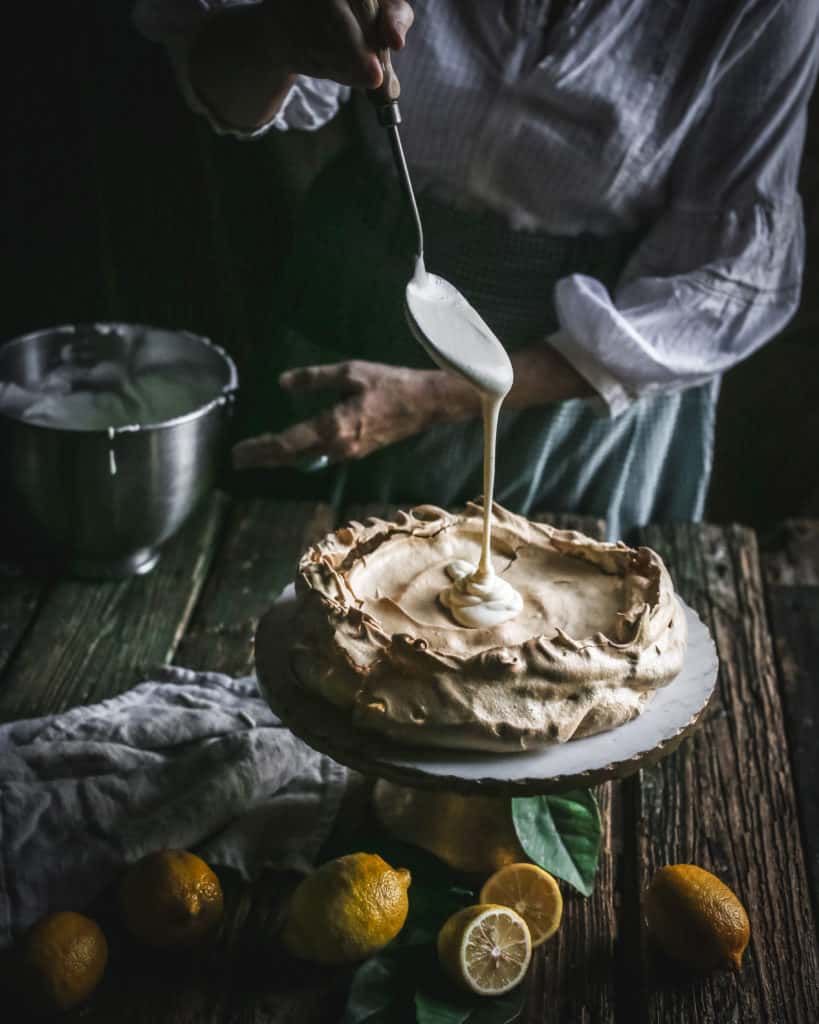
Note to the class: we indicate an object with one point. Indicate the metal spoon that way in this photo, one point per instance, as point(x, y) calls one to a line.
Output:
point(452, 333)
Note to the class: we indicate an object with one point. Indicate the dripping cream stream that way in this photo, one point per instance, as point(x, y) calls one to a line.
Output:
point(459, 341)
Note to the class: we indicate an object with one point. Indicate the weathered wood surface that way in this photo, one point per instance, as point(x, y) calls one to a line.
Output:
point(262, 544)
point(93, 640)
point(19, 600)
point(790, 563)
point(725, 800)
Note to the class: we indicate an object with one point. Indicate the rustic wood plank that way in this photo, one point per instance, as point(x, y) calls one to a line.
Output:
point(791, 554)
point(24, 579)
point(263, 542)
point(92, 640)
point(573, 975)
point(725, 800)
point(19, 600)
point(790, 562)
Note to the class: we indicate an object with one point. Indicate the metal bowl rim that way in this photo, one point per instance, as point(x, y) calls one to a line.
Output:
point(227, 393)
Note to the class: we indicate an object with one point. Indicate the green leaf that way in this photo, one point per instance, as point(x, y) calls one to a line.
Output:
point(456, 1008)
point(429, 1010)
point(562, 834)
point(378, 992)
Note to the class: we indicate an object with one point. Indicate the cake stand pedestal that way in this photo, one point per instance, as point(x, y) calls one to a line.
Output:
point(671, 714)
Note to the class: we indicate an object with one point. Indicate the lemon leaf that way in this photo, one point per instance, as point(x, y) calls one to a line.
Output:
point(562, 834)
point(378, 992)
point(439, 1001)
point(453, 1007)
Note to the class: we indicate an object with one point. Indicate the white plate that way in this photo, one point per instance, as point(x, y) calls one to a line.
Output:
point(669, 716)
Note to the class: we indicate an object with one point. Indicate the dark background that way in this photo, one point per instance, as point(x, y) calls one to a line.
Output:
point(120, 204)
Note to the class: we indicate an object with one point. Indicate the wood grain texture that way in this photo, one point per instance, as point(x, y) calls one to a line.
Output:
point(263, 542)
point(19, 601)
point(725, 801)
point(92, 640)
point(790, 561)
point(573, 975)
point(791, 554)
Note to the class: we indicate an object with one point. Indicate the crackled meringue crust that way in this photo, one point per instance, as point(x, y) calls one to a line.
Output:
point(600, 629)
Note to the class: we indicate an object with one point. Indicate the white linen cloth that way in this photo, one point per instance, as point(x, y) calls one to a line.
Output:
point(189, 760)
point(685, 118)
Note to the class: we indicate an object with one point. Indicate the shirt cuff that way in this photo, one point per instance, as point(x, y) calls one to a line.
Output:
point(613, 398)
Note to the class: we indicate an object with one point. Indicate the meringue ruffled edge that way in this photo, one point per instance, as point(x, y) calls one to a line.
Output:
point(546, 690)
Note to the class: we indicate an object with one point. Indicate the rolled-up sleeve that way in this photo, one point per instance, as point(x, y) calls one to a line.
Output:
point(309, 104)
point(720, 272)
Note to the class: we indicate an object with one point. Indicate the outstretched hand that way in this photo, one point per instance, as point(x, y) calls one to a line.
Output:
point(379, 405)
point(382, 404)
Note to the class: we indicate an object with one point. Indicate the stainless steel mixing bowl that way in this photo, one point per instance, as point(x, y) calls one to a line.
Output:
point(106, 499)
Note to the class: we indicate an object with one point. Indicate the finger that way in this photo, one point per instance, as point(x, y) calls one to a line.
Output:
point(395, 19)
point(298, 442)
point(307, 379)
point(361, 62)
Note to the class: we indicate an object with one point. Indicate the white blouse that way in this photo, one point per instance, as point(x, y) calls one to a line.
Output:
point(683, 118)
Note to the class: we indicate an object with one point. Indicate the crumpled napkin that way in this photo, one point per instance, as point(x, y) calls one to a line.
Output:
point(189, 760)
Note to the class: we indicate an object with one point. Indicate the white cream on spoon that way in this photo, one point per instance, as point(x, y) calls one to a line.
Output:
point(460, 342)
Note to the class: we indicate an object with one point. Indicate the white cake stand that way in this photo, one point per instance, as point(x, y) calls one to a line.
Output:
point(671, 714)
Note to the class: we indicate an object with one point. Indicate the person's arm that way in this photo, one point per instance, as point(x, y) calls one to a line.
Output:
point(382, 404)
point(249, 65)
point(719, 274)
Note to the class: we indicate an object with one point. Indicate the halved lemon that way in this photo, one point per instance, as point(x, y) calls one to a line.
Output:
point(485, 948)
point(530, 891)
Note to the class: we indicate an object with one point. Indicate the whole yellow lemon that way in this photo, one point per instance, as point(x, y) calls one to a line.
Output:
point(347, 910)
point(474, 834)
point(696, 918)
point(62, 960)
point(170, 898)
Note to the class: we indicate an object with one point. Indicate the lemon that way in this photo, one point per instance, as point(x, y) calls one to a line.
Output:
point(347, 910)
point(486, 948)
point(530, 891)
point(62, 960)
point(171, 898)
point(474, 834)
point(696, 918)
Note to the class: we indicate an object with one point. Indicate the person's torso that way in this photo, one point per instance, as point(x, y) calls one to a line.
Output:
point(571, 122)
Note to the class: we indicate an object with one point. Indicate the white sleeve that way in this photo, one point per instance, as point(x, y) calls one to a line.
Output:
point(309, 104)
point(720, 272)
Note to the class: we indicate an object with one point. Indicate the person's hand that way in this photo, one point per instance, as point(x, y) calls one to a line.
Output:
point(379, 405)
point(325, 38)
point(243, 61)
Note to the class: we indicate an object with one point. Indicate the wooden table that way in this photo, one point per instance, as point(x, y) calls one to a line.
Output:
point(739, 797)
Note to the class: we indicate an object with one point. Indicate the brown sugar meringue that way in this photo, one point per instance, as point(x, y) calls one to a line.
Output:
point(600, 629)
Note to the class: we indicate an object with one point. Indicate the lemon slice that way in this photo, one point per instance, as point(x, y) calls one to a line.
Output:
point(530, 891)
point(486, 948)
